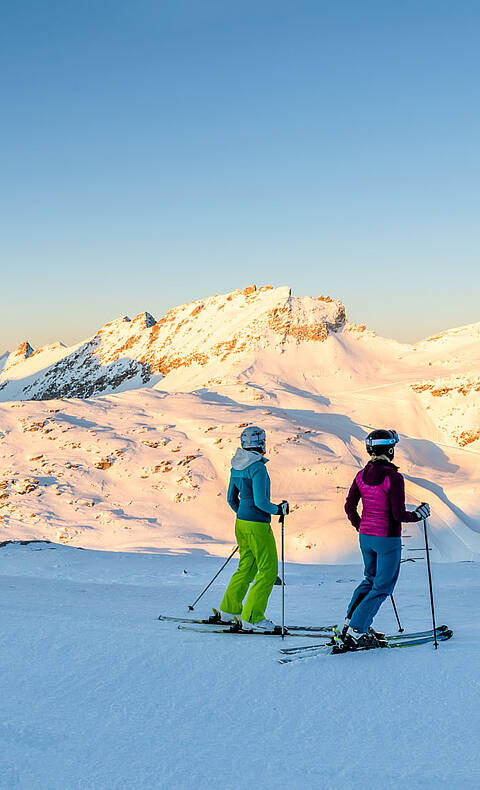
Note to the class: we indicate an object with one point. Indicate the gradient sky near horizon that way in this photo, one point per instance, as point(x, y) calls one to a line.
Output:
point(154, 152)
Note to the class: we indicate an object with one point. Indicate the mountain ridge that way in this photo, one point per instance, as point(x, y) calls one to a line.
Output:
point(141, 349)
point(253, 339)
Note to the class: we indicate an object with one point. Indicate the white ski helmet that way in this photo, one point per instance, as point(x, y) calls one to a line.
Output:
point(253, 438)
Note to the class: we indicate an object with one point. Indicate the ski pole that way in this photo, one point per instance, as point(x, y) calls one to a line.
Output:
point(192, 607)
point(400, 629)
point(430, 582)
point(282, 522)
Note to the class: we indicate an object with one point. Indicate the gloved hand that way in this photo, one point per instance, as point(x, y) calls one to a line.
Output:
point(423, 511)
point(283, 508)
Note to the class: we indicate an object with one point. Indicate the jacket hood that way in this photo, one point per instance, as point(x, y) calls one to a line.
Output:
point(375, 472)
point(244, 458)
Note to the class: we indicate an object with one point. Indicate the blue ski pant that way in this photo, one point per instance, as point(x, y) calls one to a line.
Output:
point(381, 558)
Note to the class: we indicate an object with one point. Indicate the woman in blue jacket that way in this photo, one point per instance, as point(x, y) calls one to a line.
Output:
point(249, 496)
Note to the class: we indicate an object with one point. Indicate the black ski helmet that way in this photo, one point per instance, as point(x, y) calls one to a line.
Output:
point(381, 442)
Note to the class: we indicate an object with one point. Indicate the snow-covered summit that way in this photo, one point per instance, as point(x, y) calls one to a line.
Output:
point(20, 354)
point(224, 331)
point(259, 338)
point(467, 332)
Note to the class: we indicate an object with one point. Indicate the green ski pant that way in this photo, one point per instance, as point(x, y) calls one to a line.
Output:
point(258, 560)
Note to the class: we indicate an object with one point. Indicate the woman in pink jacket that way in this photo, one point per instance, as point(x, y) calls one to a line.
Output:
point(381, 488)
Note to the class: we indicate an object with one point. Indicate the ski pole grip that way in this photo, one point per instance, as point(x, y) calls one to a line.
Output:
point(283, 512)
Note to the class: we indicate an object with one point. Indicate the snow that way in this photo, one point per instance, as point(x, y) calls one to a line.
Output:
point(148, 469)
point(197, 340)
point(129, 486)
point(98, 694)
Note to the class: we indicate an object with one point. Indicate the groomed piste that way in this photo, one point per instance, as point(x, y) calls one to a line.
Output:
point(96, 692)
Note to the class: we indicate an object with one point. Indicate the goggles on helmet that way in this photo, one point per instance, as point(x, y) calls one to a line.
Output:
point(384, 441)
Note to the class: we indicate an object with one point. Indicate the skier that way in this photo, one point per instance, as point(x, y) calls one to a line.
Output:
point(381, 488)
point(249, 496)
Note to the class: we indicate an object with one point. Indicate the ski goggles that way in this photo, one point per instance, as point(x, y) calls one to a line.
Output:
point(384, 442)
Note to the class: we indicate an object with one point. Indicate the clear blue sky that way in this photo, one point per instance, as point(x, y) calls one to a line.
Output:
point(157, 151)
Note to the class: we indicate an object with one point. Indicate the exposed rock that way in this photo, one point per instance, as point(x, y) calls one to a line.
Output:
point(437, 389)
point(467, 437)
point(104, 463)
point(23, 352)
point(145, 320)
point(187, 460)
point(25, 486)
point(22, 542)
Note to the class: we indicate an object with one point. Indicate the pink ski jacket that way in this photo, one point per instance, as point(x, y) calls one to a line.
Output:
point(381, 488)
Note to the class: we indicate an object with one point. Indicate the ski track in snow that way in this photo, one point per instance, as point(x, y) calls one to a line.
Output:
point(98, 694)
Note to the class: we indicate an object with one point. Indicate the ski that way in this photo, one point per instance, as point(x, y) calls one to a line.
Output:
point(201, 629)
point(389, 638)
point(319, 629)
point(328, 650)
point(169, 619)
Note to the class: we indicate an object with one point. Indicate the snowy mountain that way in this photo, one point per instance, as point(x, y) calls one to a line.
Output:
point(222, 332)
point(124, 441)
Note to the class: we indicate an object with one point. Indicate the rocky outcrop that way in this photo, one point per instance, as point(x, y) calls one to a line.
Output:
point(291, 323)
point(453, 404)
point(20, 354)
point(460, 386)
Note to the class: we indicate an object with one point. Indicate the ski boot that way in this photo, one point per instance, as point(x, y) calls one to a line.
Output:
point(221, 618)
point(264, 626)
point(344, 630)
point(358, 640)
point(377, 634)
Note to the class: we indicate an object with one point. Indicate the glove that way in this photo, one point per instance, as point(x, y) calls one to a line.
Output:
point(283, 508)
point(423, 511)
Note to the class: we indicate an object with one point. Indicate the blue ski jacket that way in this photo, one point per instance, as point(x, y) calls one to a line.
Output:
point(249, 489)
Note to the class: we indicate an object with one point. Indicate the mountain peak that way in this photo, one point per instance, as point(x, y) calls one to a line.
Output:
point(190, 342)
point(24, 350)
point(145, 320)
point(21, 353)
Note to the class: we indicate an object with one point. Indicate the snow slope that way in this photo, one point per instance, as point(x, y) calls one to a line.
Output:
point(97, 694)
point(145, 465)
point(146, 469)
